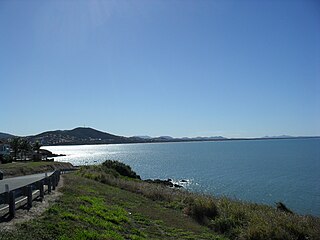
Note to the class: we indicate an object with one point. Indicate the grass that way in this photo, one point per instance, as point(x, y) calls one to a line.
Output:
point(28, 167)
point(230, 218)
point(91, 210)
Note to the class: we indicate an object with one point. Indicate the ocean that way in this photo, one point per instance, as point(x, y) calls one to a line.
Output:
point(260, 171)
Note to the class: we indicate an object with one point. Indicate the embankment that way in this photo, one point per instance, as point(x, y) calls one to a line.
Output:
point(15, 169)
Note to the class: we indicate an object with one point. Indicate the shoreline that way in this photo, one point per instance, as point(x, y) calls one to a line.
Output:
point(112, 191)
point(184, 141)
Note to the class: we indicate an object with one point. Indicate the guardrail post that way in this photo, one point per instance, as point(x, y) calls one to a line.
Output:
point(49, 185)
point(6, 187)
point(29, 196)
point(56, 178)
point(53, 179)
point(59, 173)
point(41, 189)
point(12, 204)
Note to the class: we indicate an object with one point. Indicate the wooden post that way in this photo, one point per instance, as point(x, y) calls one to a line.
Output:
point(12, 204)
point(49, 185)
point(29, 196)
point(58, 177)
point(53, 179)
point(6, 187)
point(41, 189)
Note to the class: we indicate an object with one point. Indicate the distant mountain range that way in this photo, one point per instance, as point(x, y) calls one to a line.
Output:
point(83, 135)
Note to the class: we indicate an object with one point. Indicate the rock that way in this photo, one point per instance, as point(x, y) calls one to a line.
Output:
point(282, 207)
point(167, 182)
point(159, 181)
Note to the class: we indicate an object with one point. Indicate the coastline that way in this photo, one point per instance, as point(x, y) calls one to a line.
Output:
point(135, 209)
point(183, 141)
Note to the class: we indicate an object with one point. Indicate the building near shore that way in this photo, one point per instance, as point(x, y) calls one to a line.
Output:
point(4, 148)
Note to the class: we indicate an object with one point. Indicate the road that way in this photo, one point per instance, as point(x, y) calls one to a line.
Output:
point(18, 182)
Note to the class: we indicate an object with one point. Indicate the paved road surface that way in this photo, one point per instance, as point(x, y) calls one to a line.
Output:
point(18, 182)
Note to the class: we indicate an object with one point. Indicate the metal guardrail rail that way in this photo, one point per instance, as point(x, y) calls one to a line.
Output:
point(32, 189)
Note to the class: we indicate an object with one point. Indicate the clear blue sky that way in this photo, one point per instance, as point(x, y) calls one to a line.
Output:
point(180, 68)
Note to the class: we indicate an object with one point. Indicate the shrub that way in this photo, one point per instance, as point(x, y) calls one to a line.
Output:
point(121, 168)
point(5, 159)
point(223, 225)
point(282, 207)
point(202, 208)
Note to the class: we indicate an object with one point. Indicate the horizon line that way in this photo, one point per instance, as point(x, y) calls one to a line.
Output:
point(171, 136)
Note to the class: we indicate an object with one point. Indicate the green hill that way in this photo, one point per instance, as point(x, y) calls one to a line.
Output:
point(78, 135)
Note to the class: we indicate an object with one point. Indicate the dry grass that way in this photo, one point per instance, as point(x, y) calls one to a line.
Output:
point(27, 167)
point(233, 219)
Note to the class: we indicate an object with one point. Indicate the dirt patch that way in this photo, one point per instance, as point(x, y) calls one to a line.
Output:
point(23, 215)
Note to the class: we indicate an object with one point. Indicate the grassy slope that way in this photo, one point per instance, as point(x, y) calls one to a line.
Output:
point(92, 210)
point(25, 168)
point(99, 204)
point(233, 219)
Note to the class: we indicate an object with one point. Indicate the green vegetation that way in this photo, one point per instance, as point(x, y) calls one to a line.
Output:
point(5, 159)
point(25, 168)
point(121, 168)
point(15, 146)
point(92, 210)
point(22, 148)
point(233, 219)
point(104, 203)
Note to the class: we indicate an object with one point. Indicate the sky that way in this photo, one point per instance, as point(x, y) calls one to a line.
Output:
point(179, 68)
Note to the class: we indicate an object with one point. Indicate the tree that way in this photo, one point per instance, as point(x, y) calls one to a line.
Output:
point(15, 146)
point(25, 147)
point(36, 146)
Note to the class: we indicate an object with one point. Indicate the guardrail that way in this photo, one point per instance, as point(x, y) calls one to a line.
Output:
point(13, 199)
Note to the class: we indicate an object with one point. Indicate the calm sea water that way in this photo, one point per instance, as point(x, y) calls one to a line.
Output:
point(264, 171)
